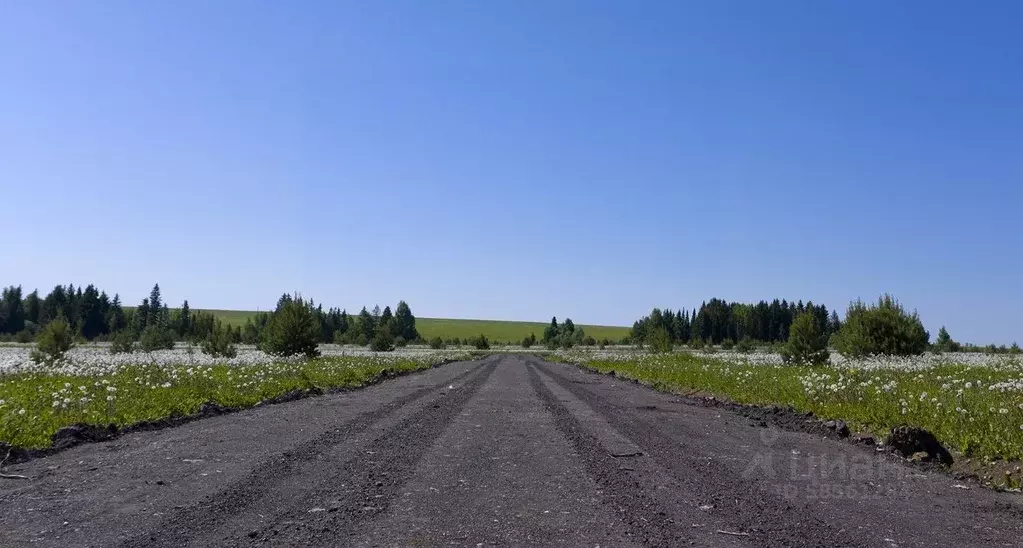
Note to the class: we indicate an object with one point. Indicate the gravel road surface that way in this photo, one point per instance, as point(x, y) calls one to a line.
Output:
point(504, 451)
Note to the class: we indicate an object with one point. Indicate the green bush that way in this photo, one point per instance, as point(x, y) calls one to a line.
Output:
point(53, 341)
point(660, 340)
point(340, 337)
point(400, 342)
point(589, 341)
point(881, 329)
point(293, 329)
point(727, 344)
point(807, 344)
point(155, 337)
point(745, 345)
point(480, 342)
point(436, 343)
point(382, 341)
point(122, 342)
point(529, 340)
point(24, 336)
point(219, 343)
point(696, 343)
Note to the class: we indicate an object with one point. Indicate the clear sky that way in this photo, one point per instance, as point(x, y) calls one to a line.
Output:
point(516, 160)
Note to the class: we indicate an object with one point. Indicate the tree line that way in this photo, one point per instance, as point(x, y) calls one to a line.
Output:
point(802, 332)
point(91, 315)
point(718, 321)
point(381, 329)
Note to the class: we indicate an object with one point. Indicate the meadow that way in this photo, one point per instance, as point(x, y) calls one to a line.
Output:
point(95, 387)
point(497, 331)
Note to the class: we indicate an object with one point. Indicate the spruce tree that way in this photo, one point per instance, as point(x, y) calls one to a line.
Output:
point(33, 307)
point(807, 344)
point(405, 322)
point(185, 324)
point(156, 308)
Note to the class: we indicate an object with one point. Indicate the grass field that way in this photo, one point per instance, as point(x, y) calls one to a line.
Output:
point(495, 330)
point(100, 390)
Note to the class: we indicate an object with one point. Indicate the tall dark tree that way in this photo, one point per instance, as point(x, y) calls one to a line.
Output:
point(387, 320)
point(343, 323)
point(367, 323)
point(834, 324)
point(185, 320)
point(55, 304)
point(156, 308)
point(405, 322)
point(552, 331)
point(116, 319)
point(91, 323)
point(33, 307)
point(141, 316)
point(12, 311)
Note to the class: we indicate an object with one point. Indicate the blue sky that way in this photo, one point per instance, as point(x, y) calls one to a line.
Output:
point(515, 160)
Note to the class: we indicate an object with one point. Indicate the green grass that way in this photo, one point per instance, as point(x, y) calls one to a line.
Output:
point(232, 317)
point(495, 330)
point(954, 401)
point(503, 331)
point(33, 406)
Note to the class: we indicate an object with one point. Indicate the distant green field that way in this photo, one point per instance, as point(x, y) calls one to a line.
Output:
point(495, 330)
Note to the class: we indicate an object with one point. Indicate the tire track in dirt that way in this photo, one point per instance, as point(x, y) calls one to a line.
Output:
point(361, 488)
point(189, 523)
point(768, 519)
point(646, 519)
point(500, 475)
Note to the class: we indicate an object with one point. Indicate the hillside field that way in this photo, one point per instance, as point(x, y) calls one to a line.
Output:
point(446, 328)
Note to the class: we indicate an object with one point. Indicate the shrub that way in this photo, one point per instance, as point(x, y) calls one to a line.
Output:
point(944, 341)
point(1014, 349)
point(696, 343)
point(807, 344)
point(155, 337)
point(219, 343)
point(745, 345)
point(53, 342)
point(382, 341)
point(881, 329)
point(122, 342)
point(436, 343)
point(660, 340)
point(292, 330)
point(529, 340)
point(24, 336)
point(480, 342)
point(727, 344)
point(400, 342)
point(589, 341)
point(340, 337)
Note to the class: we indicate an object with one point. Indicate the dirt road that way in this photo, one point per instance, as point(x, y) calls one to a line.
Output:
point(507, 451)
